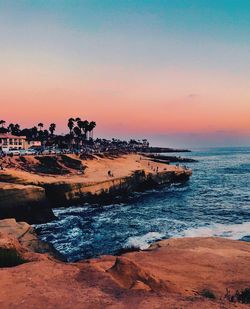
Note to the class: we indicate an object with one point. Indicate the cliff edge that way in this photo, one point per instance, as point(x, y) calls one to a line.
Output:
point(28, 192)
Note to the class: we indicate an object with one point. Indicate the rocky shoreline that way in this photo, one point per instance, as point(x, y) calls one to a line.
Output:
point(169, 159)
point(30, 197)
point(162, 150)
point(174, 273)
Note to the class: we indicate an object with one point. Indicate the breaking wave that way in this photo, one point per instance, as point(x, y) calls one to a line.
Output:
point(232, 231)
point(144, 241)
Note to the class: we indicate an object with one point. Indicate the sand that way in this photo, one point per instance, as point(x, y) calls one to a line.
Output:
point(96, 171)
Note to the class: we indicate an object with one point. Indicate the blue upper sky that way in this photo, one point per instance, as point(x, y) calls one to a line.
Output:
point(121, 54)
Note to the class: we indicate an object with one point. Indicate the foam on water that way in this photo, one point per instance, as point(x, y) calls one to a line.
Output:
point(232, 231)
point(144, 241)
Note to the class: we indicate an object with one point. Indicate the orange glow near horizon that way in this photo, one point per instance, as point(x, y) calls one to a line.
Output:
point(159, 103)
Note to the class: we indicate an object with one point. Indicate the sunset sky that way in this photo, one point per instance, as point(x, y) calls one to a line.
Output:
point(175, 71)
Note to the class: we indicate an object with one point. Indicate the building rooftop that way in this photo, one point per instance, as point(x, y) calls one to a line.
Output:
point(8, 135)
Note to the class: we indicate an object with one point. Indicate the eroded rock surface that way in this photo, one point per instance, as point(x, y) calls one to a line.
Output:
point(170, 274)
point(29, 195)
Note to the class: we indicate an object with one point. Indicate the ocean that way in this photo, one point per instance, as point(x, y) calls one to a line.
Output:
point(214, 202)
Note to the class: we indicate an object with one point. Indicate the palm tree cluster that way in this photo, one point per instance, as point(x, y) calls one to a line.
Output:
point(80, 136)
point(82, 129)
point(30, 133)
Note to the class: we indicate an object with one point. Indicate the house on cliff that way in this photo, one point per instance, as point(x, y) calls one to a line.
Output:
point(9, 142)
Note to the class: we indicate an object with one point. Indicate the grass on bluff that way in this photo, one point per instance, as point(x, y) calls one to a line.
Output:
point(58, 165)
point(10, 258)
point(50, 165)
point(72, 163)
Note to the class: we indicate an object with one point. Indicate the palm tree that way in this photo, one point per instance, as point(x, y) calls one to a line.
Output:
point(80, 125)
point(85, 125)
point(40, 125)
point(11, 128)
point(78, 133)
point(91, 127)
point(45, 135)
point(2, 123)
point(16, 130)
point(27, 132)
point(52, 128)
point(71, 124)
point(34, 132)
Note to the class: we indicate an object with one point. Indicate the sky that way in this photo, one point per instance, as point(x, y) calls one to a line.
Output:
point(174, 71)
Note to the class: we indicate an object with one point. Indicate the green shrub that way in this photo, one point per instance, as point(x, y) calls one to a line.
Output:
point(10, 258)
point(208, 294)
point(243, 296)
point(49, 165)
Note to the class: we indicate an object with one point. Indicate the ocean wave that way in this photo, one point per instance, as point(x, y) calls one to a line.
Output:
point(144, 241)
point(70, 210)
point(232, 231)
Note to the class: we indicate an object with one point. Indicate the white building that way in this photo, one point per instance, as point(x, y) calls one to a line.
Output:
point(9, 141)
point(29, 144)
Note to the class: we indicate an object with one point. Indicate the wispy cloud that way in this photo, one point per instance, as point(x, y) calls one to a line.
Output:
point(193, 96)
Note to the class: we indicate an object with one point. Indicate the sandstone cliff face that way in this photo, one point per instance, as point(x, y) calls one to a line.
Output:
point(69, 193)
point(32, 203)
point(170, 274)
point(24, 202)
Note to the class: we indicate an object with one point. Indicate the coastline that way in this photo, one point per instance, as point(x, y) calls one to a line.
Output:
point(30, 197)
point(188, 272)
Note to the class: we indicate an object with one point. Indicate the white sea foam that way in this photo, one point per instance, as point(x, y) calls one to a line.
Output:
point(233, 231)
point(144, 241)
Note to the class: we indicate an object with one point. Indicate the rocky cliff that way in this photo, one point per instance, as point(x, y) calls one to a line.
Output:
point(177, 273)
point(29, 196)
point(24, 202)
point(100, 192)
